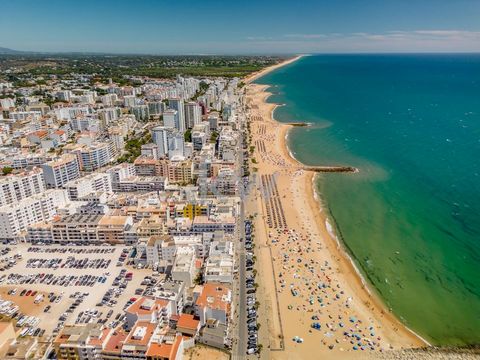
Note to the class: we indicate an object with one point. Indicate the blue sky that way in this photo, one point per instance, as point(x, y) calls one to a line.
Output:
point(237, 27)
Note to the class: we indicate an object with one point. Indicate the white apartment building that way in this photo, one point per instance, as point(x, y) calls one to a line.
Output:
point(23, 161)
point(14, 188)
point(15, 218)
point(24, 115)
point(109, 114)
point(203, 224)
point(219, 265)
point(95, 156)
point(64, 95)
point(7, 103)
point(184, 266)
point(160, 138)
point(199, 139)
point(156, 107)
point(150, 151)
point(177, 104)
point(77, 228)
point(193, 114)
point(85, 124)
point(129, 100)
point(68, 113)
point(164, 247)
point(171, 119)
point(141, 112)
point(97, 182)
point(58, 172)
point(121, 172)
point(176, 145)
point(109, 99)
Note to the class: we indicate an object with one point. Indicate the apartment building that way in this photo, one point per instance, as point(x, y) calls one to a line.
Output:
point(15, 188)
point(77, 228)
point(193, 114)
point(184, 266)
point(180, 171)
point(214, 302)
point(211, 224)
point(112, 229)
point(15, 218)
point(96, 156)
point(58, 172)
point(150, 310)
point(119, 173)
point(81, 187)
point(74, 342)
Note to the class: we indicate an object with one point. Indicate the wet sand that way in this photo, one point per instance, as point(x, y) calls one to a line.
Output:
point(313, 280)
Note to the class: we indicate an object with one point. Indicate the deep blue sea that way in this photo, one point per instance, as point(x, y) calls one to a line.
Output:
point(411, 217)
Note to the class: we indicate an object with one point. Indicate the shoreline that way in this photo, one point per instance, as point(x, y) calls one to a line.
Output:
point(374, 305)
point(258, 74)
point(341, 247)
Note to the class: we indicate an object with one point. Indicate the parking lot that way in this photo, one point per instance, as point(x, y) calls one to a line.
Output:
point(250, 285)
point(79, 284)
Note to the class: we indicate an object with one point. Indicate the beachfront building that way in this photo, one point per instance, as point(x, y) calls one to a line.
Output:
point(203, 224)
point(214, 302)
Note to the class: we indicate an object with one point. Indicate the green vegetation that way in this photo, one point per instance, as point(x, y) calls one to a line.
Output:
point(7, 170)
point(188, 135)
point(101, 91)
point(198, 279)
point(121, 68)
point(214, 137)
point(203, 88)
point(133, 148)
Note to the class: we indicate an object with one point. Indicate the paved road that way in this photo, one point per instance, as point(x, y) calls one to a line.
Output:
point(239, 351)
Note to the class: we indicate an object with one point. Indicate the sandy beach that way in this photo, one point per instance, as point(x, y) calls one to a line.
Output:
point(313, 282)
point(254, 76)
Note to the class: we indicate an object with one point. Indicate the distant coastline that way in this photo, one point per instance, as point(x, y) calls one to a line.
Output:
point(258, 74)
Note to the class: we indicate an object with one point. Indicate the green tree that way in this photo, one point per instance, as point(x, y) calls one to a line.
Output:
point(213, 137)
point(188, 135)
point(7, 170)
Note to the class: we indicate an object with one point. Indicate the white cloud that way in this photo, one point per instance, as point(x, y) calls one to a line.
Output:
point(306, 36)
point(391, 41)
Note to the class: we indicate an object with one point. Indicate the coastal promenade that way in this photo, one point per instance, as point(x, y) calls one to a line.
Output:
point(313, 279)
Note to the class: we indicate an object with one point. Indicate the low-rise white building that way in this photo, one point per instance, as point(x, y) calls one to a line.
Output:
point(96, 182)
point(184, 266)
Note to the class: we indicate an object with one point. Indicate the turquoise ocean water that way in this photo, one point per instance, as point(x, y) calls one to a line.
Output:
point(411, 217)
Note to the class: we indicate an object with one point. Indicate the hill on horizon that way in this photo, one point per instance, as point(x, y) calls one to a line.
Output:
point(4, 50)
